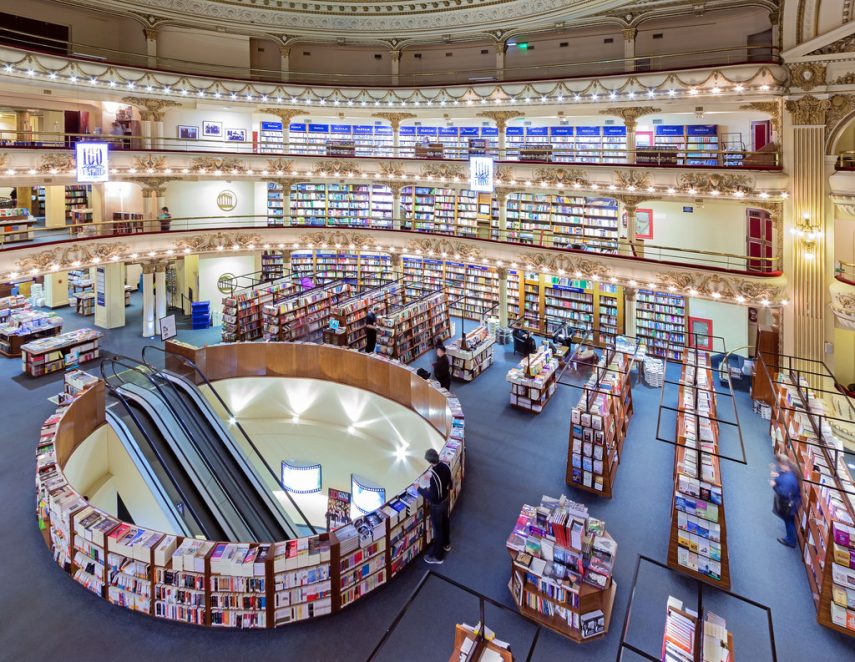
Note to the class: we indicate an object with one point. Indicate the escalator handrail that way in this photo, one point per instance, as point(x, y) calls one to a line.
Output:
point(175, 483)
point(240, 427)
point(136, 366)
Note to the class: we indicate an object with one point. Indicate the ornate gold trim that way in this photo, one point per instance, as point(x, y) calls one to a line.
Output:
point(84, 252)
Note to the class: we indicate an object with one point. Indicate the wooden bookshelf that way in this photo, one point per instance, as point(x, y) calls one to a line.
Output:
point(533, 381)
point(16, 225)
point(413, 330)
point(243, 310)
point(472, 289)
point(697, 544)
point(575, 604)
point(272, 265)
point(304, 315)
point(363, 269)
point(350, 314)
point(125, 222)
point(23, 327)
point(660, 322)
point(469, 644)
point(51, 354)
point(472, 354)
point(599, 424)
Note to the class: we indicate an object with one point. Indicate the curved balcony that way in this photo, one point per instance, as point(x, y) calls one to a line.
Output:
point(842, 291)
point(845, 272)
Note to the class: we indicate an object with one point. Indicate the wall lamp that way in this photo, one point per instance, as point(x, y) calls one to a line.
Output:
point(809, 235)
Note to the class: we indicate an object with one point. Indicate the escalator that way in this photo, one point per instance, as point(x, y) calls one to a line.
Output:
point(192, 449)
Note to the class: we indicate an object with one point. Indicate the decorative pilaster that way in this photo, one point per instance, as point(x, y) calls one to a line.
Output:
point(630, 115)
point(148, 320)
point(396, 188)
point(628, 205)
point(501, 49)
point(773, 109)
point(154, 195)
point(151, 47)
point(629, 35)
point(808, 272)
point(395, 59)
point(502, 194)
point(502, 273)
point(286, 183)
point(284, 62)
point(629, 294)
point(151, 115)
point(501, 117)
point(395, 120)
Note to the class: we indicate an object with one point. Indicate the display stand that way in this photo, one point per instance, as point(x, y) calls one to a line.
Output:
point(599, 425)
point(350, 314)
point(47, 355)
point(25, 326)
point(16, 225)
point(472, 354)
point(698, 539)
point(85, 303)
point(470, 645)
point(683, 640)
point(533, 381)
point(561, 569)
point(414, 329)
point(303, 316)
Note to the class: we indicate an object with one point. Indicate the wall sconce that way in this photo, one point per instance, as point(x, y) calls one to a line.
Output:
point(809, 235)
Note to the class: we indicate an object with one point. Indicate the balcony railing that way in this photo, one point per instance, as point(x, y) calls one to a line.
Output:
point(558, 153)
point(82, 52)
point(845, 272)
point(637, 251)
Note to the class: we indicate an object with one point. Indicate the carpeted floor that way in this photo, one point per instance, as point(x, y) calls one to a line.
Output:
point(513, 458)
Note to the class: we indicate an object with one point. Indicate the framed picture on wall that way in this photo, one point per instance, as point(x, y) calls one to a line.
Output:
point(212, 129)
point(236, 135)
point(188, 132)
point(644, 224)
point(701, 333)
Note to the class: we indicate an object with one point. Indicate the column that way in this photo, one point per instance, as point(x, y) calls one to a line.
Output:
point(501, 117)
point(157, 133)
point(96, 203)
point(395, 57)
point(151, 47)
point(285, 116)
point(630, 116)
point(56, 289)
point(502, 199)
point(629, 310)
point(808, 273)
point(150, 209)
point(187, 280)
point(146, 131)
point(159, 292)
point(395, 120)
point(110, 295)
point(148, 318)
point(284, 62)
point(501, 49)
point(397, 266)
point(629, 35)
point(397, 211)
point(55, 207)
point(503, 297)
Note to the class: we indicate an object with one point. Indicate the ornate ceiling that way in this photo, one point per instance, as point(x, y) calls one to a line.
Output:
point(390, 22)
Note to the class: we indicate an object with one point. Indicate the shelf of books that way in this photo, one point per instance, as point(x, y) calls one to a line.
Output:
point(270, 138)
point(413, 330)
point(562, 561)
point(243, 310)
point(513, 285)
point(16, 225)
point(238, 585)
point(130, 563)
point(698, 539)
point(276, 205)
point(76, 197)
point(350, 314)
point(440, 210)
point(470, 644)
point(126, 222)
point(85, 303)
point(89, 532)
point(472, 354)
point(478, 283)
point(359, 205)
point(660, 322)
point(302, 582)
point(682, 642)
point(599, 425)
point(303, 315)
point(361, 560)
point(23, 326)
point(46, 355)
point(272, 265)
point(361, 268)
point(37, 200)
point(408, 528)
point(825, 523)
point(533, 381)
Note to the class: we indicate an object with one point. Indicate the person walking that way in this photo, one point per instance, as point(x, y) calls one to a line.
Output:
point(441, 368)
point(435, 486)
point(788, 496)
point(165, 219)
point(371, 330)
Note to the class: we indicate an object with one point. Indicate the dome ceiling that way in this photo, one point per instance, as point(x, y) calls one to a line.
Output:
point(357, 20)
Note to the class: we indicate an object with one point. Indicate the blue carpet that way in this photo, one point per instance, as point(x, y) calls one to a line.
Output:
point(513, 458)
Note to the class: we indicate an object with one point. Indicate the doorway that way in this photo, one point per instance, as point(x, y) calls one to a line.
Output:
point(760, 236)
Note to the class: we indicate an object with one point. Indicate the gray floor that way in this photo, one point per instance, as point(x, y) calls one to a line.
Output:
point(513, 458)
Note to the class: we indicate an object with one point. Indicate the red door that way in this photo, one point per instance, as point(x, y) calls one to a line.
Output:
point(759, 240)
point(761, 134)
point(701, 333)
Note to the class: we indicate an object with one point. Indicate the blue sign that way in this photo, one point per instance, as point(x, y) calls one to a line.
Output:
point(341, 128)
point(514, 131)
point(427, 130)
point(448, 131)
point(298, 127)
point(271, 126)
point(561, 130)
point(319, 128)
point(588, 130)
point(362, 130)
point(614, 130)
point(537, 131)
point(468, 130)
point(702, 130)
point(407, 131)
point(669, 130)
point(489, 131)
point(381, 130)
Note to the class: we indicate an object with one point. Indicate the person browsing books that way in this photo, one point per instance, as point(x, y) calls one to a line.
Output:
point(788, 496)
point(441, 369)
point(435, 486)
point(165, 219)
point(371, 330)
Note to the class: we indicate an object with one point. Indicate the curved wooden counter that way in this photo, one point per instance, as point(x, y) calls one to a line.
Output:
point(288, 581)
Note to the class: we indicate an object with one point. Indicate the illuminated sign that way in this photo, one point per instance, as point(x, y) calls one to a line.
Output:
point(481, 174)
point(92, 162)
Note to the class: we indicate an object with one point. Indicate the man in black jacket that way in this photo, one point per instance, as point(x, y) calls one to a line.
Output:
point(435, 487)
point(441, 368)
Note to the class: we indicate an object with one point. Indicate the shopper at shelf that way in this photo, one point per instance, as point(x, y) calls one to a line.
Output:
point(441, 368)
point(435, 486)
point(165, 219)
point(788, 496)
point(371, 330)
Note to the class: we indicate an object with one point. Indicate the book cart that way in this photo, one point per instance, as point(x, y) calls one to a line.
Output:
point(804, 429)
point(533, 381)
point(561, 569)
point(472, 354)
point(698, 537)
point(599, 425)
point(350, 314)
point(690, 632)
point(240, 584)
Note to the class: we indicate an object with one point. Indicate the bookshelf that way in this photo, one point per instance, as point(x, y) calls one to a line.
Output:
point(561, 569)
point(533, 381)
point(825, 523)
point(126, 222)
point(37, 200)
point(302, 315)
point(242, 311)
point(16, 225)
point(51, 354)
point(12, 304)
point(660, 322)
point(350, 205)
point(270, 138)
point(272, 265)
point(513, 285)
point(472, 354)
point(364, 269)
point(276, 205)
point(235, 584)
point(599, 424)
point(470, 645)
point(682, 642)
point(76, 198)
point(85, 303)
point(698, 539)
point(408, 333)
point(24, 326)
point(472, 289)
point(447, 211)
point(351, 313)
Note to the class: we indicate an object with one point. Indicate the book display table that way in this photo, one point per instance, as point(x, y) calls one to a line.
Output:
point(472, 354)
point(25, 326)
point(16, 225)
point(470, 646)
point(47, 355)
point(533, 381)
point(561, 569)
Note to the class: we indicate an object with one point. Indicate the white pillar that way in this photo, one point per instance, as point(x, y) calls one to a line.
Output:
point(396, 206)
point(56, 289)
point(151, 47)
point(629, 311)
point(148, 329)
point(160, 292)
point(629, 35)
point(110, 295)
point(503, 297)
point(146, 133)
point(157, 134)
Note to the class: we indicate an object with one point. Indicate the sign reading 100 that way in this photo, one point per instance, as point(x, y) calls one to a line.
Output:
point(92, 162)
